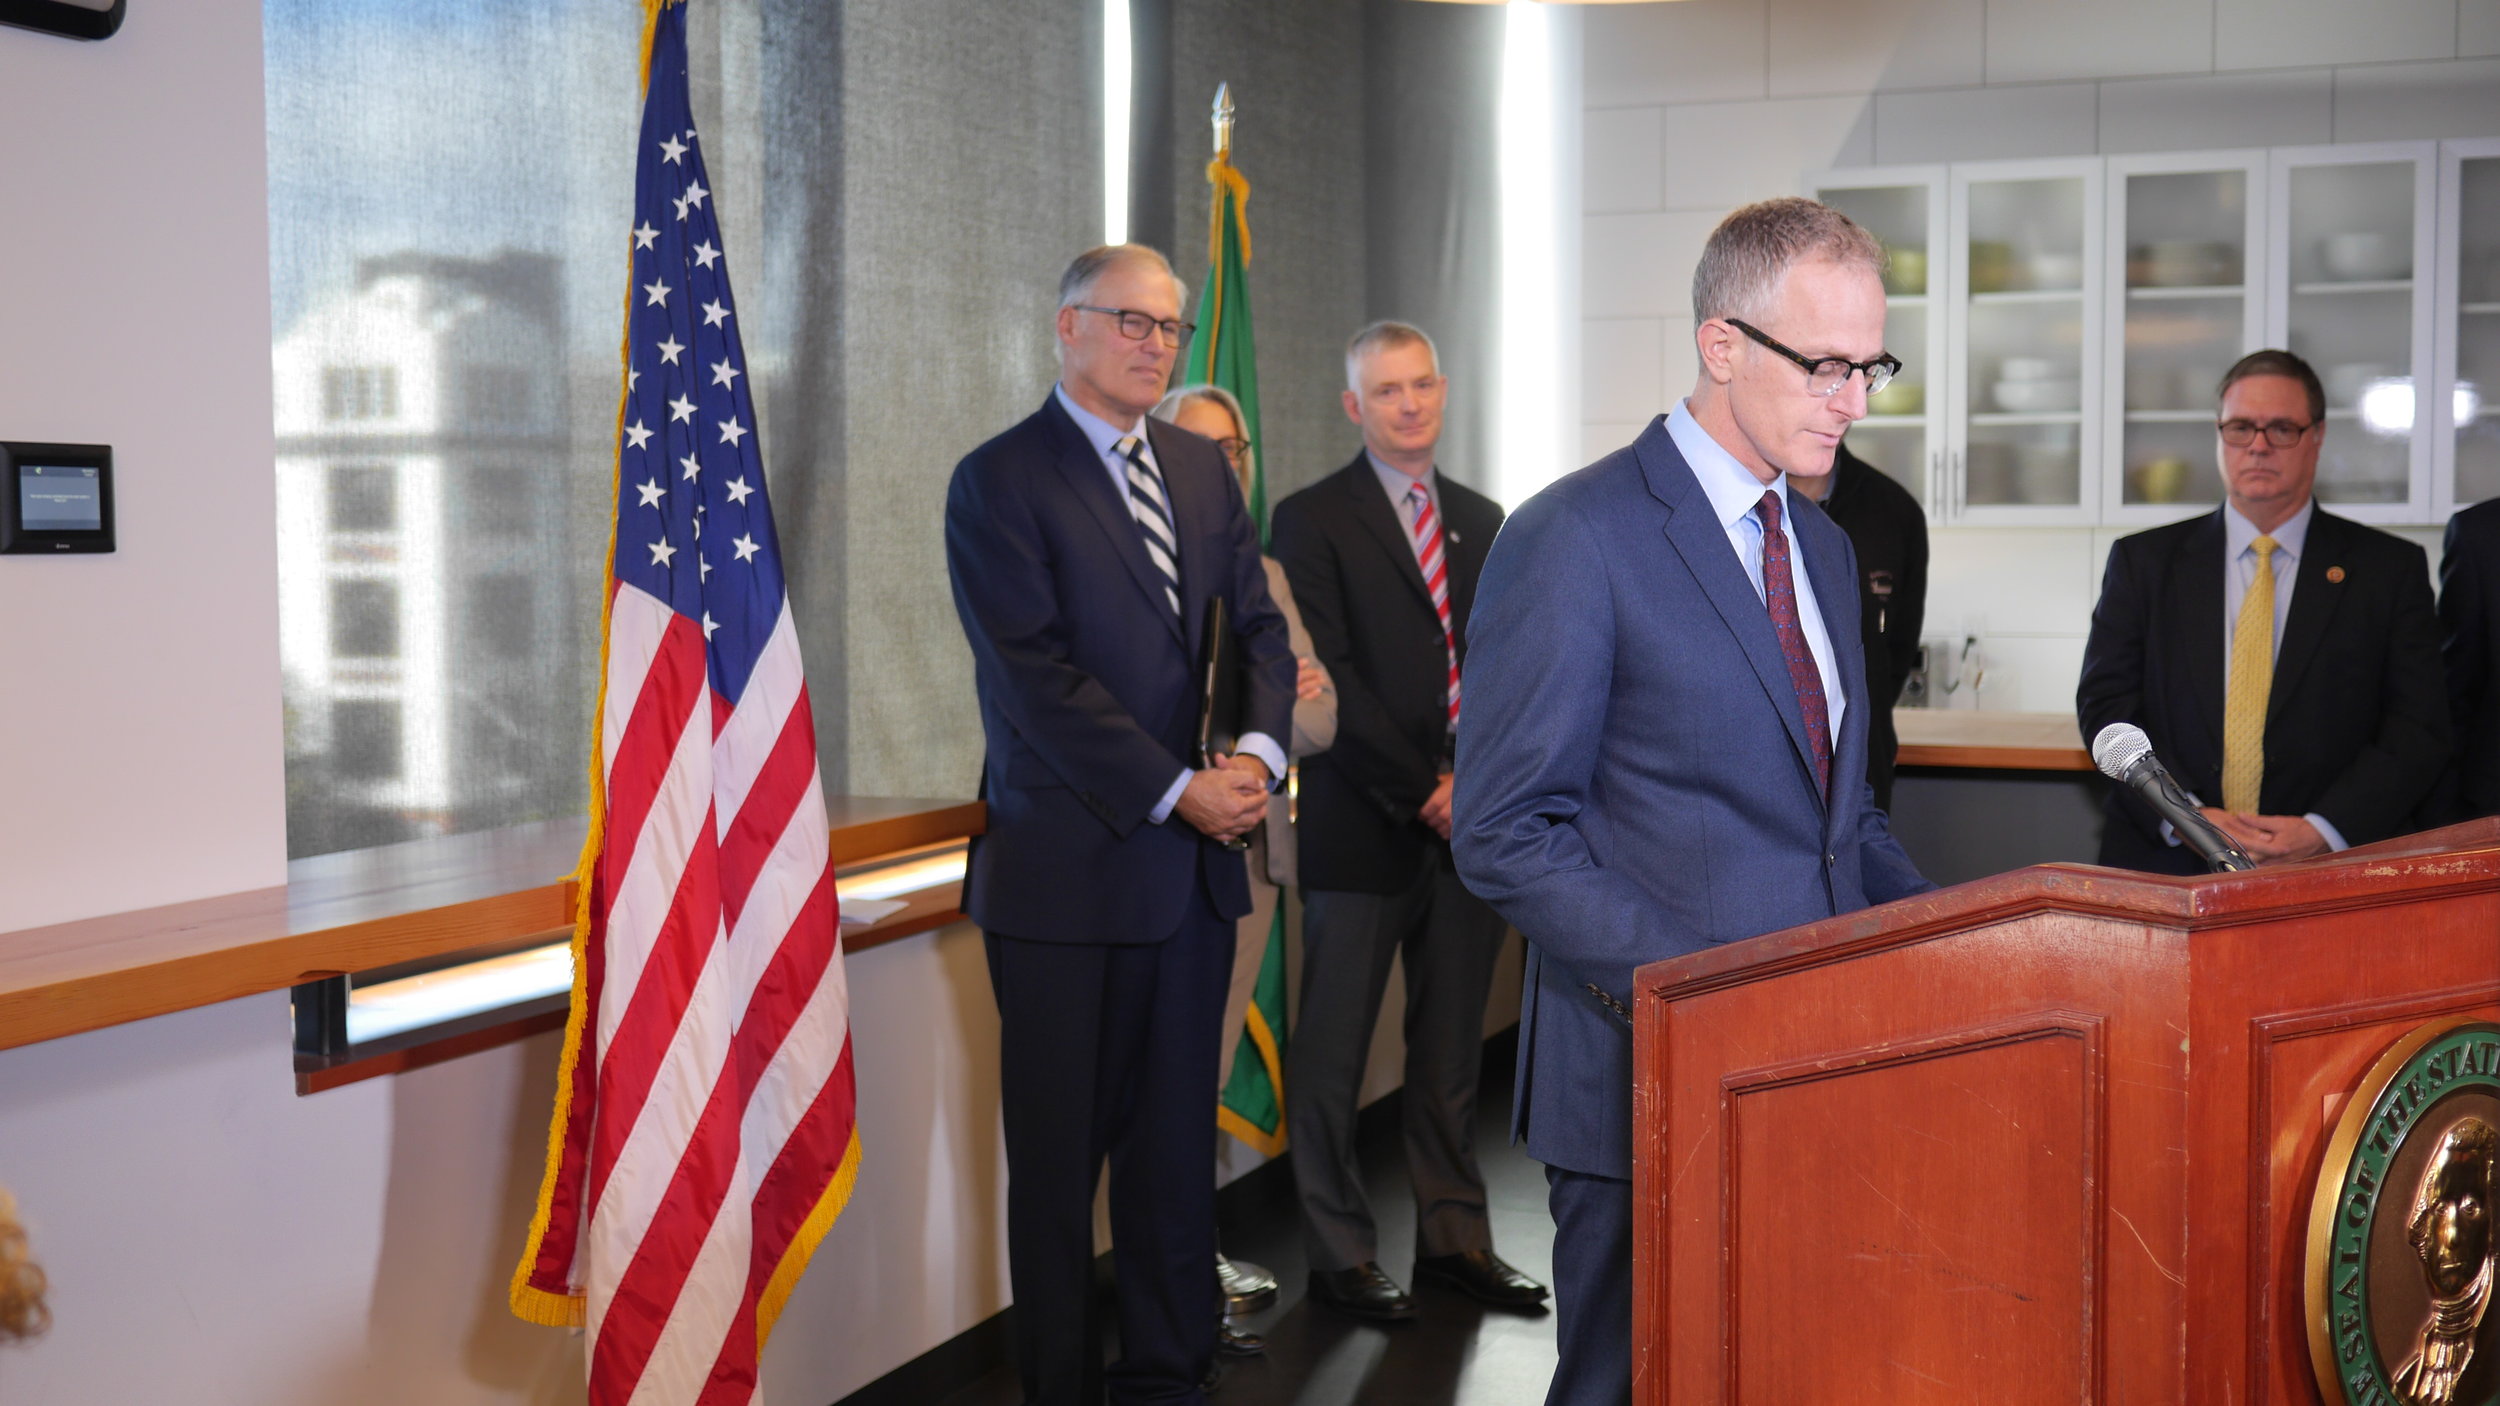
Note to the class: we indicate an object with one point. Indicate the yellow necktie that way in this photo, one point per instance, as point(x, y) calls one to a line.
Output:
point(2252, 677)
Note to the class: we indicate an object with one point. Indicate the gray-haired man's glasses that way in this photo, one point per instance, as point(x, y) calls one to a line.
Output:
point(1826, 375)
point(1136, 325)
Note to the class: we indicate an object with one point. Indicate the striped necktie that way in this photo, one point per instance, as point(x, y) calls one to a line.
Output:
point(1436, 569)
point(1147, 504)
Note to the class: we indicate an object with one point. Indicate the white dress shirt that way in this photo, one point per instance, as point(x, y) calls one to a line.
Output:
point(1734, 495)
point(1106, 437)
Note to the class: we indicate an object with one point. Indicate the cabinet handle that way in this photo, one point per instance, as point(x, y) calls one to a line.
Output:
point(1935, 484)
point(1961, 488)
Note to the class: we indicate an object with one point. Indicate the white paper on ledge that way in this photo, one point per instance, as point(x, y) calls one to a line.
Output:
point(860, 912)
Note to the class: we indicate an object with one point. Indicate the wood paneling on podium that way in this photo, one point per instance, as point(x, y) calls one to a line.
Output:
point(2048, 1137)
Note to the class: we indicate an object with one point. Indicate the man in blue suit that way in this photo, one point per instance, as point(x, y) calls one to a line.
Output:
point(1084, 545)
point(1667, 718)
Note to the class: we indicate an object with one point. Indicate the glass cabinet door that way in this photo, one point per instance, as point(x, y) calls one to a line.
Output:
point(2468, 425)
point(2188, 237)
point(1904, 208)
point(2026, 369)
point(2352, 231)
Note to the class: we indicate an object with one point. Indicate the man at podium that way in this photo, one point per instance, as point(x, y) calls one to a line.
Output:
point(1667, 718)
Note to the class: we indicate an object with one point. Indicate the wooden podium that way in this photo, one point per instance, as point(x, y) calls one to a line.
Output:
point(2048, 1137)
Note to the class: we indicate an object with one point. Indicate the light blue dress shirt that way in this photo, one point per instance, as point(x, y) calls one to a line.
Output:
point(1106, 437)
point(1395, 482)
point(1734, 495)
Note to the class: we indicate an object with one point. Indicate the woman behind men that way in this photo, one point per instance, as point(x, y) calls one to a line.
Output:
point(1213, 412)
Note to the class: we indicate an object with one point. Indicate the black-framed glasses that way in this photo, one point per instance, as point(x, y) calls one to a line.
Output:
point(1827, 374)
point(1136, 325)
point(1235, 450)
point(2282, 434)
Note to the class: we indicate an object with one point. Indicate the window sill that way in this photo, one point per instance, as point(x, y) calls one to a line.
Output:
point(369, 910)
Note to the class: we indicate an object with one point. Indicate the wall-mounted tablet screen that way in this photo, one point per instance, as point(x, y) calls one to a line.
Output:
point(56, 498)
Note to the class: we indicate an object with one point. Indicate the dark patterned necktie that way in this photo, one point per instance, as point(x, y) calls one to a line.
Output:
point(1147, 504)
point(1779, 592)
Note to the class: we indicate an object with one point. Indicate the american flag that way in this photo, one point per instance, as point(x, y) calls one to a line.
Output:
point(704, 1136)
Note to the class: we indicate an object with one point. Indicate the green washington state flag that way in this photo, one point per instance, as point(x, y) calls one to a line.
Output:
point(1253, 1104)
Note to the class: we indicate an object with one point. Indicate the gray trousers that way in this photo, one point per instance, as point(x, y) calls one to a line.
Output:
point(1450, 939)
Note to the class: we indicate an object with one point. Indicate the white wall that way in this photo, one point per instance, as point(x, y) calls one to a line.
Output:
point(1691, 109)
point(141, 697)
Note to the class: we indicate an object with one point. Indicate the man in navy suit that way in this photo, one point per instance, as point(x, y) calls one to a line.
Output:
point(1084, 545)
point(1667, 718)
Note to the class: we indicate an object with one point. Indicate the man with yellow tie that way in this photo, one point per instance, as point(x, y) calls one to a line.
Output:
point(2283, 660)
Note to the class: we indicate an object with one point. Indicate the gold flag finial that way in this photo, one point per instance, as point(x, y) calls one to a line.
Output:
point(1223, 120)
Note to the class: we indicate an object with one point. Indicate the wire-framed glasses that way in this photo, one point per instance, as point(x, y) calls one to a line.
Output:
point(1826, 375)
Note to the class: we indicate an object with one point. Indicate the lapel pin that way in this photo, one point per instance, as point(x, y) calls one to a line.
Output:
point(2335, 574)
point(1453, 536)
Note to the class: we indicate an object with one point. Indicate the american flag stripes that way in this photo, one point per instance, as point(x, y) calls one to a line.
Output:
point(703, 1139)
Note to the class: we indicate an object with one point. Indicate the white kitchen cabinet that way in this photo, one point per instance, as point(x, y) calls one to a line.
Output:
point(1905, 208)
point(2465, 423)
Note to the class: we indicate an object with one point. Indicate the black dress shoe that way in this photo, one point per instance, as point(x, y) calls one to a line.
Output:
point(1364, 1292)
point(1238, 1342)
point(1481, 1274)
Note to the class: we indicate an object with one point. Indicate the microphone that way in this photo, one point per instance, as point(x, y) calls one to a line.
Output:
point(2124, 753)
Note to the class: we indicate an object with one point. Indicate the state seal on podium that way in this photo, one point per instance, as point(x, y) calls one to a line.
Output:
point(2404, 1228)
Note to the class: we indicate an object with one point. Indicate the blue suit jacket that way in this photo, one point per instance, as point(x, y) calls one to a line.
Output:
point(1089, 688)
point(1633, 780)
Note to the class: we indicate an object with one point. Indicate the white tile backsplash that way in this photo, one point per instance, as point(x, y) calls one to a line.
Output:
point(1599, 438)
point(1619, 160)
point(2011, 580)
point(2295, 107)
point(2410, 101)
point(1694, 51)
point(1717, 156)
point(1683, 362)
point(1876, 45)
point(2033, 41)
point(2289, 33)
point(1621, 378)
point(1977, 124)
point(1642, 265)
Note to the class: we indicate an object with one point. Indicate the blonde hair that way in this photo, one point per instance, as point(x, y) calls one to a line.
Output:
point(1168, 410)
point(23, 1313)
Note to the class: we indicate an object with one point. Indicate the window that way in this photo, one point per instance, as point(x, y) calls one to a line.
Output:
point(364, 619)
point(449, 192)
point(359, 393)
point(365, 739)
point(363, 498)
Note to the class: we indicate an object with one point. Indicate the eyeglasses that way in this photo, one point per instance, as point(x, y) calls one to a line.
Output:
point(1235, 450)
point(1135, 325)
point(2282, 434)
point(1826, 375)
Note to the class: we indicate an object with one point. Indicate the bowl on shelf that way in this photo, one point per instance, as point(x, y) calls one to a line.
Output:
point(1898, 397)
point(2163, 480)
point(2038, 397)
point(2035, 368)
point(2056, 271)
point(2184, 263)
point(2364, 256)
point(2044, 474)
point(1992, 267)
point(1905, 272)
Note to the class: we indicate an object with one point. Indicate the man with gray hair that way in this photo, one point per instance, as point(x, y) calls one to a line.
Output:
point(1084, 546)
point(1667, 718)
point(1383, 556)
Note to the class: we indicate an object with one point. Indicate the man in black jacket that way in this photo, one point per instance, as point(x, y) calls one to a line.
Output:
point(2469, 605)
point(1888, 530)
point(1383, 556)
point(2284, 661)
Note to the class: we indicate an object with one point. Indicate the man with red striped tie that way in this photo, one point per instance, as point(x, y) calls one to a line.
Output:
point(1384, 556)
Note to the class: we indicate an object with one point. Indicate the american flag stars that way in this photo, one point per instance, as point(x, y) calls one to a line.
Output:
point(689, 420)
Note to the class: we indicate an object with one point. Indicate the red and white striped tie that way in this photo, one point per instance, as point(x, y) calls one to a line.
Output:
point(1436, 579)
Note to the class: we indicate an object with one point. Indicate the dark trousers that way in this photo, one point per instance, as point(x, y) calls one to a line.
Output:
point(1592, 1289)
point(1109, 1051)
point(1450, 938)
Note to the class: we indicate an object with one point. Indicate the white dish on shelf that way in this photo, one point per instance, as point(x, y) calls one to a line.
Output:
point(2364, 256)
point(2028, 397)
point(2053, 272)
point(2035, 368)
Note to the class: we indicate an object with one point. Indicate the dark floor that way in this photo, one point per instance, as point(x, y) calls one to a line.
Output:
point(1457, 1353)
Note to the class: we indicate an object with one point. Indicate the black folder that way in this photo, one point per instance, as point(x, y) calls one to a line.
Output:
point(1219, 685)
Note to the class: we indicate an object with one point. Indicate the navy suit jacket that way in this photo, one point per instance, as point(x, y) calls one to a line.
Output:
point(1633, 781)
point(1088, 685)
